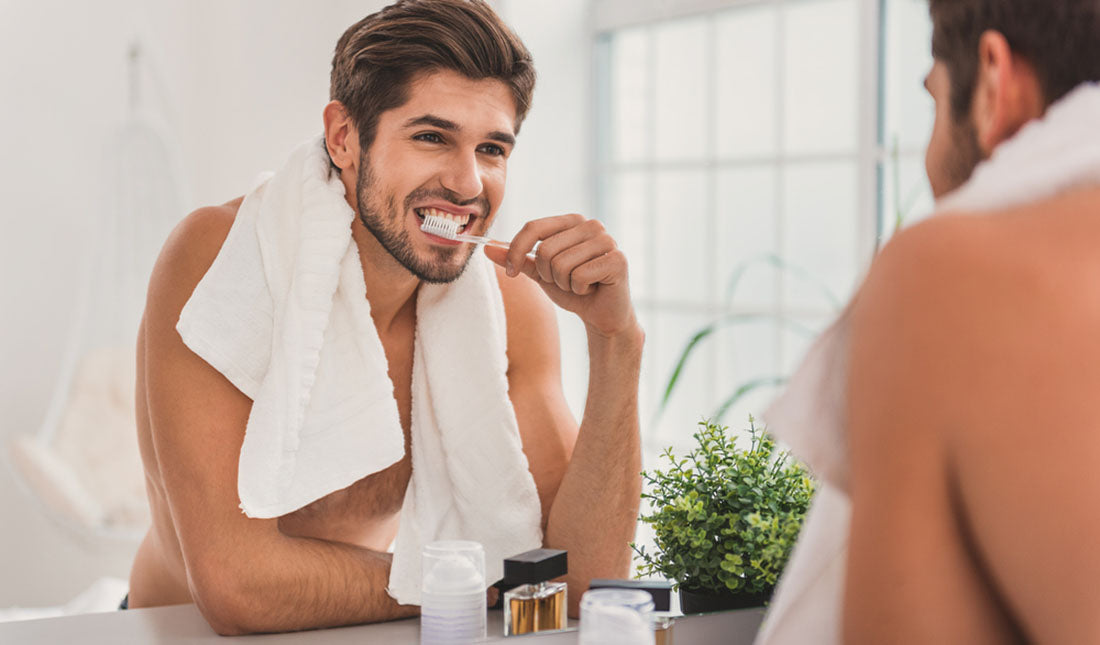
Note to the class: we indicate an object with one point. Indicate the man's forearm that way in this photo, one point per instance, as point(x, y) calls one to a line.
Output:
point(595, 511)
point(306, 583)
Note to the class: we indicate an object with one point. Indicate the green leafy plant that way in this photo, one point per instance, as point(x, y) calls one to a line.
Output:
point(725, 519)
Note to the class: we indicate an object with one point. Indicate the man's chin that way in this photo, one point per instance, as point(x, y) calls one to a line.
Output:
point(439, 277)
point(440, 271)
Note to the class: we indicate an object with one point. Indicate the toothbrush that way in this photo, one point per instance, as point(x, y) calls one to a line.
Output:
point(447, 229)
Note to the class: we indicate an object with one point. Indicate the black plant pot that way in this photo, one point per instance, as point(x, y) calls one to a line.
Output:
point(705, 602)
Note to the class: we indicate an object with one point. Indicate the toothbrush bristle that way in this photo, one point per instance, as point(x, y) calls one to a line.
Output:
point(437, 225)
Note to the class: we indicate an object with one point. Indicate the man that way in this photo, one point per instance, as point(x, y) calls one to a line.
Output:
point(428, 96)
point(965, 435)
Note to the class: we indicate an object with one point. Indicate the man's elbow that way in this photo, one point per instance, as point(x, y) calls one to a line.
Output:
point(223, 628)
point(228, 606)
point(226, 614)
point(223, 619)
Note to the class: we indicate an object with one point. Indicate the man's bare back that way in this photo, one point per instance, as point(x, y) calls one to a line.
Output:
point(364, 514)
point(973, 425)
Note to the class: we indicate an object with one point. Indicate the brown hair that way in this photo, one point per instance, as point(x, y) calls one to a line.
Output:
point(378, 57)
point(1060, 38)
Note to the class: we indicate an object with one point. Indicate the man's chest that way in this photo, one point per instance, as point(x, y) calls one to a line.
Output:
point(364, 514)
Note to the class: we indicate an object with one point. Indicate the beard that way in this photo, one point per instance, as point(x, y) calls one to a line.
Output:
point(436, 265)
point(965, 157)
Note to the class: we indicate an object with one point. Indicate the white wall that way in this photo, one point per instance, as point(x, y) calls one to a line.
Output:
point(550, 171)
point(240, 83)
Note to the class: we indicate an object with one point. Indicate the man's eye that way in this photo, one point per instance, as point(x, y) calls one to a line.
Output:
point(494, 150)
point(430, 137)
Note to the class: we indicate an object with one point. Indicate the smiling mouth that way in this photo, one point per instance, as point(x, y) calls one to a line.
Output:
point(462, 220)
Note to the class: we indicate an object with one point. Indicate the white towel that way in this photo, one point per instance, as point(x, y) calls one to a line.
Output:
point(283, 314)
point(1048, 156)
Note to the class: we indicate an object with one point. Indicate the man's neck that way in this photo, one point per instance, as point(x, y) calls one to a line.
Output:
point(391, 289)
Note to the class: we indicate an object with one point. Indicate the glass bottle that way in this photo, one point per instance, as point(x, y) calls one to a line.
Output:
point(661, 593)
point(535, 603)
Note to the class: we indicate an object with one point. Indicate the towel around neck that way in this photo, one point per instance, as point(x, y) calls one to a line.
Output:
point(283, 314)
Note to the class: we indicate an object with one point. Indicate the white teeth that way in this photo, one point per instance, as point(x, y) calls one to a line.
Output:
point(461, 220)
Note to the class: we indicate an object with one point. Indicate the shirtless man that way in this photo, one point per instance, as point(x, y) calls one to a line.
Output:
point(432, 128)
point(972, 404)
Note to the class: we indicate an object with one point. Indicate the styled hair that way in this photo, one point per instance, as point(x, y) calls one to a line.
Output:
point(378, 57)
point(1059, 38)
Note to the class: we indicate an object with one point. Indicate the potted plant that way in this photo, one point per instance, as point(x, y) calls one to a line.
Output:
point(725, 519)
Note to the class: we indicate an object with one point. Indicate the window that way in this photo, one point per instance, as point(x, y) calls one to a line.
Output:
point(747, 165)
point(907, 113)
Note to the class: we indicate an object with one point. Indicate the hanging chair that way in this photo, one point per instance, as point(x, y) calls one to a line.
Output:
point(83, 467)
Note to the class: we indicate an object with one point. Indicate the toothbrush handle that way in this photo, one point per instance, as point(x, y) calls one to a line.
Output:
point(497, 243)
point(478, 239)
point(488, 241)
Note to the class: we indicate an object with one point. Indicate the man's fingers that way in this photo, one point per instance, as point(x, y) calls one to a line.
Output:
point(535, 230)
point(564, 264)
point(551, 248)
point(574, 254)
point(497, 255)
point(502, 256)
point(608, 268)
point(577, 264)
point(528, 268)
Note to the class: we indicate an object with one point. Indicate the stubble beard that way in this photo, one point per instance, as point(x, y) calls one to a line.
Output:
point(385, 224)
point(965, 157)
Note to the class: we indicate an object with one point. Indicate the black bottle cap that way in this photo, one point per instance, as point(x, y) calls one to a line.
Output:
point(661, 590)
point(535, 566)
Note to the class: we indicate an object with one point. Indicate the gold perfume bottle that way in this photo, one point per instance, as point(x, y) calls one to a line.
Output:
point(535, 603)
point(661, 591)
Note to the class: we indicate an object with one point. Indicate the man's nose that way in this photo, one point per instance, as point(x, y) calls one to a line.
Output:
point(463, 175)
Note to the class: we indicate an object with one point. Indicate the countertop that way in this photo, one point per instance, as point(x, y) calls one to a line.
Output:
point(184, 624)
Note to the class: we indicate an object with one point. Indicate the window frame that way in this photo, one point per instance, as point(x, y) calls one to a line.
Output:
point(872, 155)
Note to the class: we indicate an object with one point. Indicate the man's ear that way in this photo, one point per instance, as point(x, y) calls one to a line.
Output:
point(1007, 93)
point(341, 137)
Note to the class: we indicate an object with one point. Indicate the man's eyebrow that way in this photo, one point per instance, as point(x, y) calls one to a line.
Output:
point(451, 126)
point(434, 121)
point(502, 137)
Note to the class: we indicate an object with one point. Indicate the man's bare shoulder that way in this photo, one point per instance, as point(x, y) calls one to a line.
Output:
point(1033, 261)
point(184, 259)
point(190, 250)
point(981, 303)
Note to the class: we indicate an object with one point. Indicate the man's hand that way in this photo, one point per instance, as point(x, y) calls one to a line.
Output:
point(578, 265)
point(589, 477)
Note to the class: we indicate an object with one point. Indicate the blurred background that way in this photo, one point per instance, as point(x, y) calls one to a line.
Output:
point(749, 155)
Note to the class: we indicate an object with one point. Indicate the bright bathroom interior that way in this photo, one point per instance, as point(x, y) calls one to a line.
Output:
point(749, 155)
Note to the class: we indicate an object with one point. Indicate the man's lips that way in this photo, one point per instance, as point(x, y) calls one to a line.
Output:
point(448, 210)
